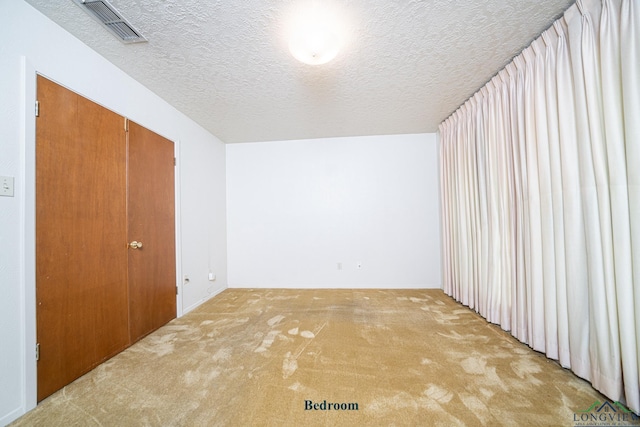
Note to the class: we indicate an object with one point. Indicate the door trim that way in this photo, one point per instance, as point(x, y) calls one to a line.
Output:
point(27, 193)
point(25, 188)
point(178, 227)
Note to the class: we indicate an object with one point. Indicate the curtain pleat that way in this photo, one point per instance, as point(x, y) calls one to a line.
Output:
point(525, 286)
point(540, 193)
point(630, 83)
point(558, 341)
point(519, 299)
point(506, 199)
point(603, 328)
point(549, 314)
point(613, 121)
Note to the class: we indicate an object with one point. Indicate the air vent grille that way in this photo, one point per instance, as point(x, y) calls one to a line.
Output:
point(103, 12)
point(112, 20)
point(124, 31)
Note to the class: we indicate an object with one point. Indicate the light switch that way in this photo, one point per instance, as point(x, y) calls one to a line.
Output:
point(6, 186)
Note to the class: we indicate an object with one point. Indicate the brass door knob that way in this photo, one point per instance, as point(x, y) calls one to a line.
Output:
point(135, 245)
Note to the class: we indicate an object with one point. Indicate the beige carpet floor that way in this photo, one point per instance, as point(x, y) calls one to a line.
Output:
point(257, 357)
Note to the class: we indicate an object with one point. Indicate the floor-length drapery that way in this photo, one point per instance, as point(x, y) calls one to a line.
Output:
point(540, 180)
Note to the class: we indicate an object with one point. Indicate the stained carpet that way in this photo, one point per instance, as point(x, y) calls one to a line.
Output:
point(287, 357)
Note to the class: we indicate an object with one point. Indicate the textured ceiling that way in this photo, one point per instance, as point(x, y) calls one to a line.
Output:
point(406, 66)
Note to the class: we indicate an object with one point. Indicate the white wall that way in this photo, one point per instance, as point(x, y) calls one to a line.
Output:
point(295, 209)
point(27, 37)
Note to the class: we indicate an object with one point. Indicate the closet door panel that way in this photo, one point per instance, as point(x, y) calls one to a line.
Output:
point(81, 251)
point(151, 216)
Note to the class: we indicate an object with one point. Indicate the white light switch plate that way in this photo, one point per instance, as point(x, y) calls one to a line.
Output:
point(6, 186)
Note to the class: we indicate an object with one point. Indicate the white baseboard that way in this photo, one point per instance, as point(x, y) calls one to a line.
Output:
point(202, 301)
point(12, 416)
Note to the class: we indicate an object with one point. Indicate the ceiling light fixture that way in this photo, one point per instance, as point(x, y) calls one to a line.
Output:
point(315, 37)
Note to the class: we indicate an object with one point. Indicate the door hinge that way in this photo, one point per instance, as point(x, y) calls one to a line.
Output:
point(176, 290)
point(174, 161)
point(37, 108)
point(37, 352)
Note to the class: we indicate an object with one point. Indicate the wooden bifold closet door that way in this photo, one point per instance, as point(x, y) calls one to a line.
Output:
point(151, 201)
point(96, 293)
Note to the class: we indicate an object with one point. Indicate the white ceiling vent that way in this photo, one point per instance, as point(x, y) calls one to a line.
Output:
point(112, 20)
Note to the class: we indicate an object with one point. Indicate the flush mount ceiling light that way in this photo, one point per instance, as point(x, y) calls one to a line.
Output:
point(315, 37)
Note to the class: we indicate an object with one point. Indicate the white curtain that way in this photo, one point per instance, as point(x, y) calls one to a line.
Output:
point(540, 176)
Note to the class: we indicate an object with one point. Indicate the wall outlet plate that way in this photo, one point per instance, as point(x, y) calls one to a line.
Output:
point(6, 186)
